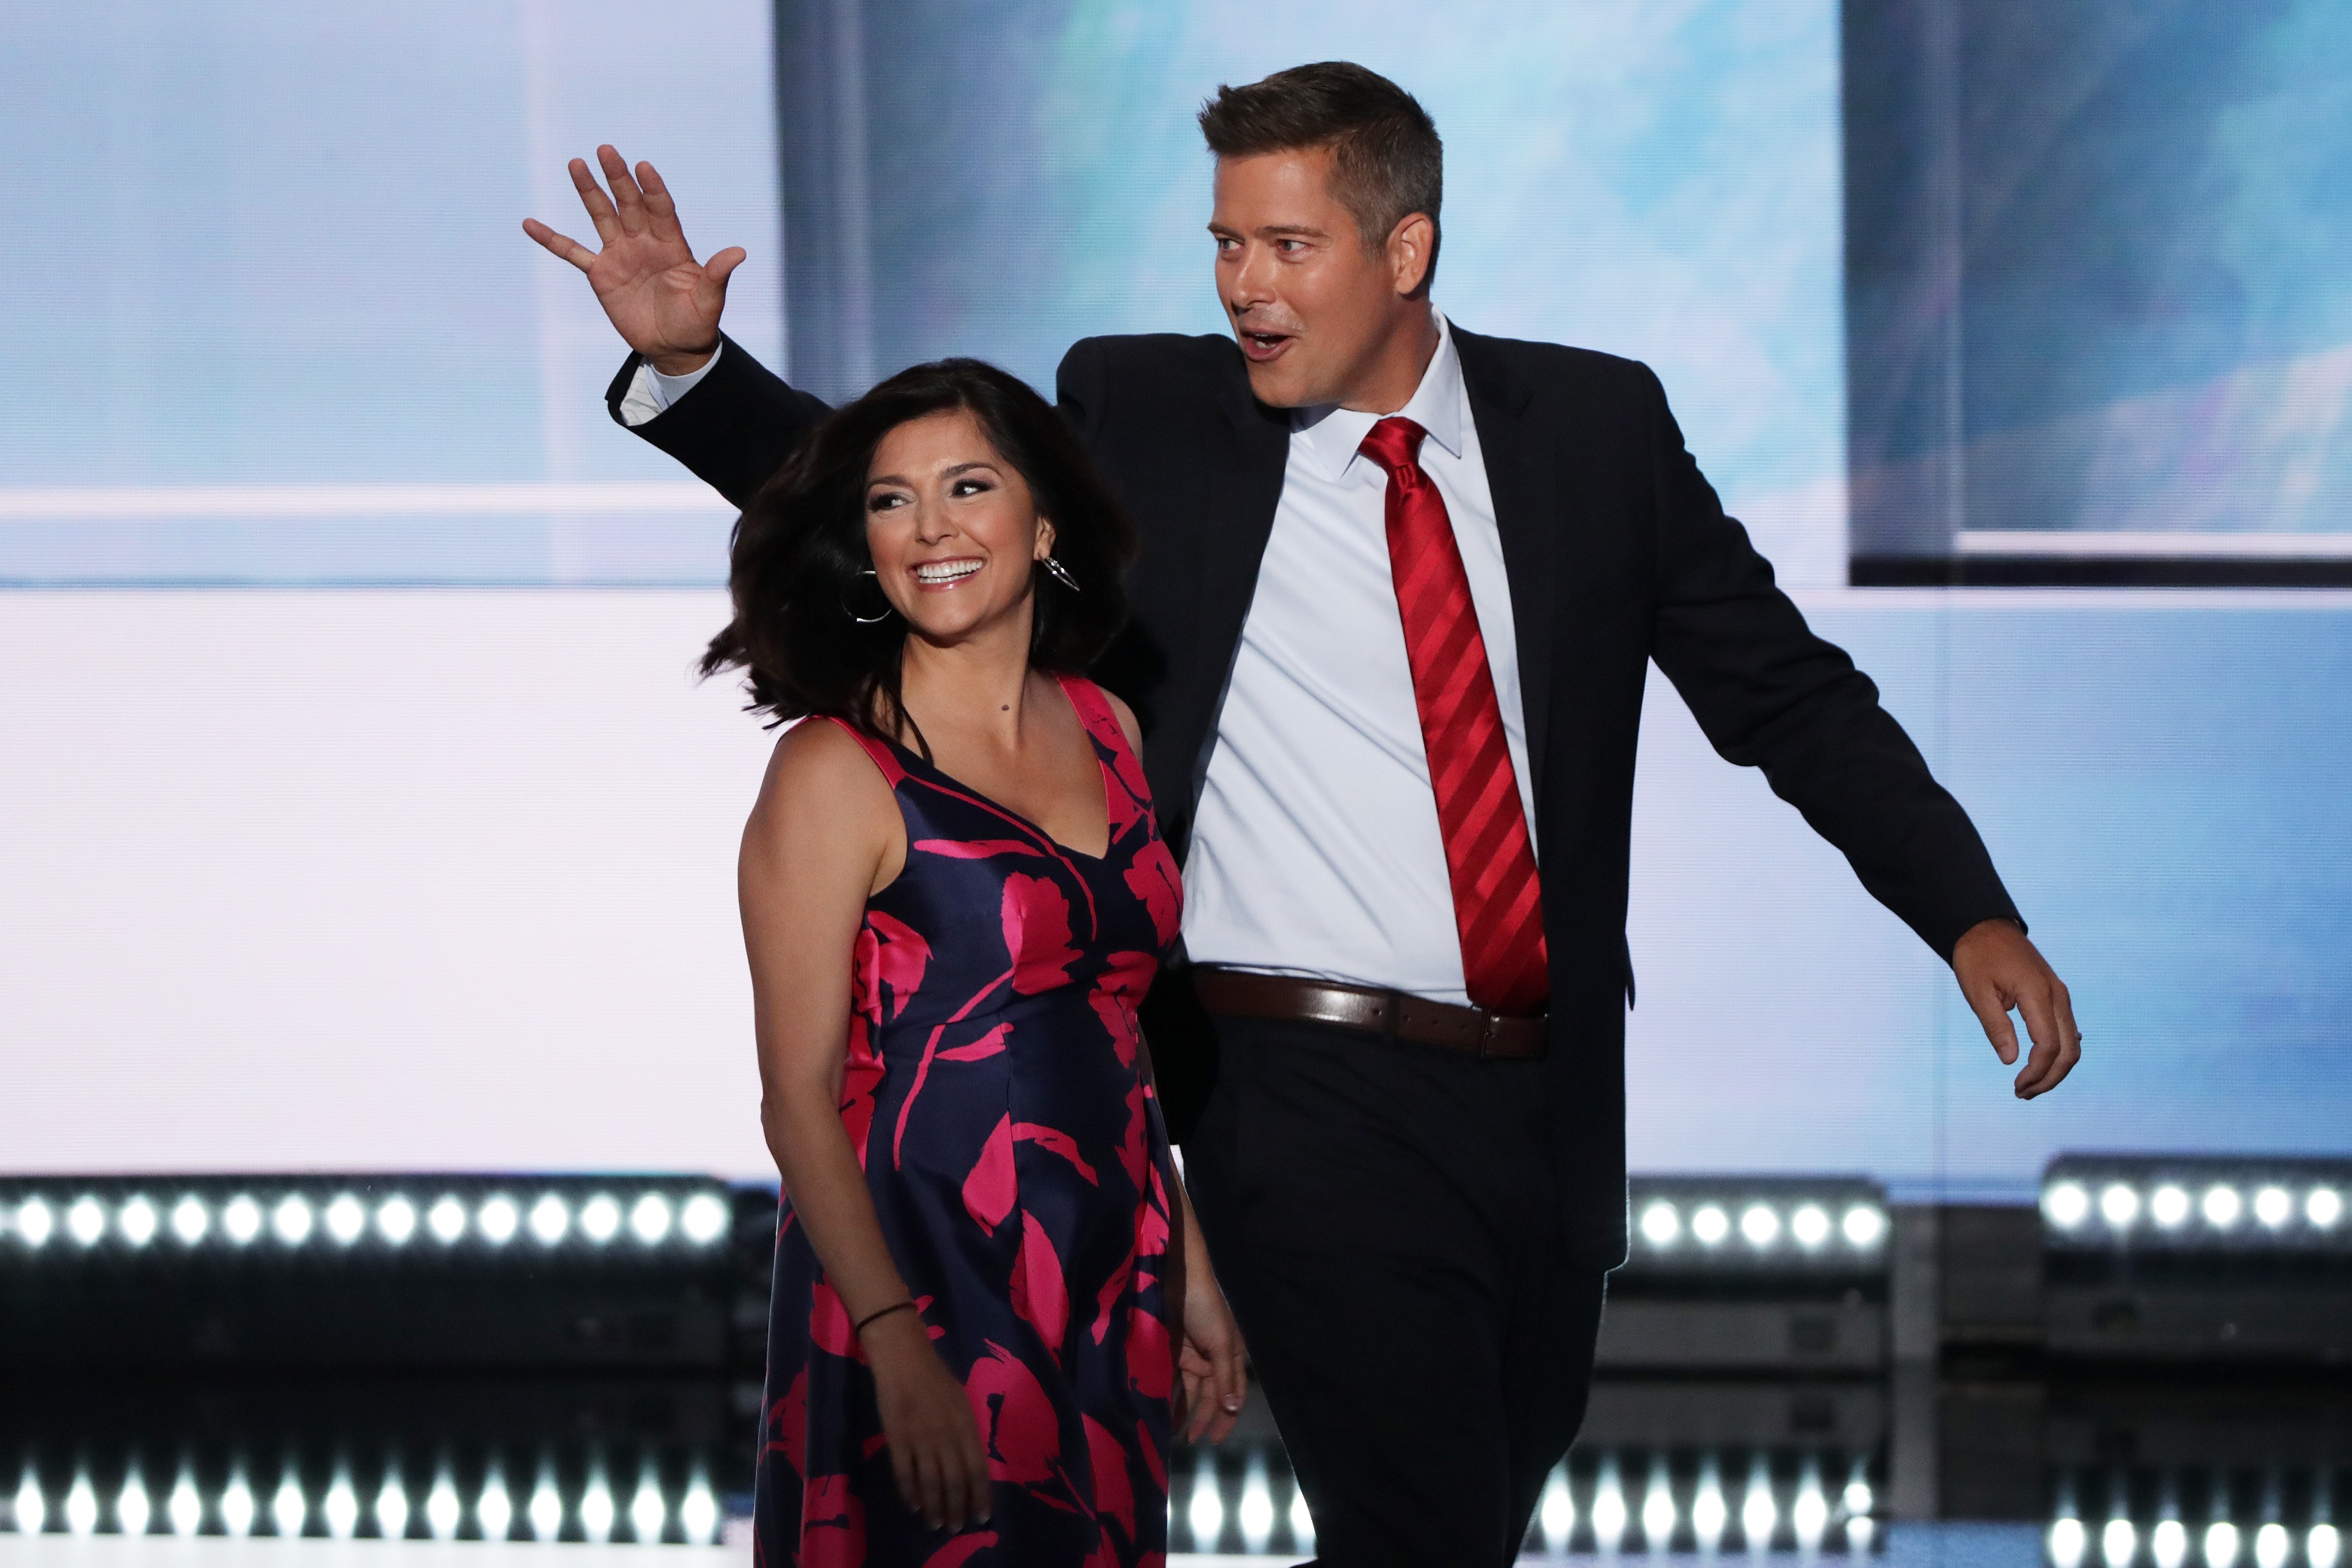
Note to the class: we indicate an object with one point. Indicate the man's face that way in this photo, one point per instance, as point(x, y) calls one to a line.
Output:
point(1312, 306)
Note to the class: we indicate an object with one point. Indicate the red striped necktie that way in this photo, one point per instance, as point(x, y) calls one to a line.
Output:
point(1497, 901)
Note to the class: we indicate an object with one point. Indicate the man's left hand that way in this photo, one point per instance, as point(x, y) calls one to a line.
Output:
point(1999, 968)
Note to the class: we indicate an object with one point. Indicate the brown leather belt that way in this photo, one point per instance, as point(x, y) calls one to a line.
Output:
point(1240, 994)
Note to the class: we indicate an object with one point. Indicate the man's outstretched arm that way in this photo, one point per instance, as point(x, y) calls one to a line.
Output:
point(738, 421)
point(1770, 694)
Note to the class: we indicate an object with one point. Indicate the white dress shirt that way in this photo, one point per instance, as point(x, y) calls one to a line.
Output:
point(1317, 849)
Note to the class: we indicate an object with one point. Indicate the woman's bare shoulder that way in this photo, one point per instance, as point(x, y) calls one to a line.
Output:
point(1126, 717)
point(822, 774)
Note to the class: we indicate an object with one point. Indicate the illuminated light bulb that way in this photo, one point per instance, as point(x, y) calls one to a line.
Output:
point(2223, 1206)
point(1759, 1225)
point(648, 1513)
point(596, 1510)
point(35, 1222)
point(649, 1219)
point(1858, 1497)
point(190, 1220)
point(2324, 1208)
point(86, 1221)
point(499, 1219)
point(2169, 1205)
point(704, 1220)
point(134, 1512)
point(2066, 1206)
point(2119, 1205)
point(2273, 1208)
point(396, 1220)
point(185, 1508)
point(288, 1510)
point(1206, 1511)
point(1759, 1514)
point(1708, 1512)
point(2119, 1542)
point(1302, 1523)
point(1255, 1514)
point(138, 1221)
point(600, 1219)
point(1710, 1224)
point(1661, 1224)
point(1865, 1226)
point(81, 1508)
point(32, 1509)
point(2067, 1542)
point(546, 1509)
point(2270, 1543)
point(494, 1509)
point(1608, 1509)
point(1557, 1512)
point(442, 1510)
point(2168, 1544)
point(291, 1220)
point(698, 1515)
point(241, 1220)
point(2323, 1546)
point(341, 1507)
point(446, 1220)
point(1658, 1513)
point(1859, 1531)
point(236, 1509)
point(2221, 1543)
point(1810, 1515)
point(549, 1220)
point(391, 1507)
point(1810, 1225)
point(346, 1219)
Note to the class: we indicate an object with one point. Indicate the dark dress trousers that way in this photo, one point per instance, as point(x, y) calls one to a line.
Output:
point(1414, 1242)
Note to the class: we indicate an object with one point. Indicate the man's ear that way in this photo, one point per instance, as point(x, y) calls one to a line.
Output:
point(1410, 245)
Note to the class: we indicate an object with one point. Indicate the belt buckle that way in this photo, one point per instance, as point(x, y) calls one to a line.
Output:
point(1488, 1024)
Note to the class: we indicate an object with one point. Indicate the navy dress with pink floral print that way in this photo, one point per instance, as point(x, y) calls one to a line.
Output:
point(996, 1095)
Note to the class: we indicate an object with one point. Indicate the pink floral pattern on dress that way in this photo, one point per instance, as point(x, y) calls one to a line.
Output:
point(994, 1093)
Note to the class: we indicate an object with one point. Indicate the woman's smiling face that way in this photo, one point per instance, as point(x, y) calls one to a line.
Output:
point(952, 528)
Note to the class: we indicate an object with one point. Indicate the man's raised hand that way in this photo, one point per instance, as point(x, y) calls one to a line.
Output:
point(1999, 968)
point(663, 302)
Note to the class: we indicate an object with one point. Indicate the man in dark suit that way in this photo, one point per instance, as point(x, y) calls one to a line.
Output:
point(1399, 590)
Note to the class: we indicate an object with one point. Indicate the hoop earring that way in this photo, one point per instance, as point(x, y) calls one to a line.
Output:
point(887, 608)
point(1059, 574)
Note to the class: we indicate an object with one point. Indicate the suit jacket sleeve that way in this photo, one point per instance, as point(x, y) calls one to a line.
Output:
point(733, 428)
point(1770, 694)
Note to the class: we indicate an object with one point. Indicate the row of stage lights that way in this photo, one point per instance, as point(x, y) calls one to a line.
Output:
point(1810, 1226)
point(2219, 1209)
point(596, 1513)
point(2170, 1543)
point(1264, 1513)
point(294, 1220)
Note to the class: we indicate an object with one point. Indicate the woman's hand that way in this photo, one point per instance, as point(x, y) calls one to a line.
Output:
point(935, 1447)
point(1212, 1383)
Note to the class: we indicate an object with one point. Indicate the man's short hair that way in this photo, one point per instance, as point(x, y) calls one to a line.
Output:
point(1387, 159)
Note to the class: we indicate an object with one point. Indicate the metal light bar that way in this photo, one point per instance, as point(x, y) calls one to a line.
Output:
point(1755, 1225)
point(637, 1499)
point(417, 1219)
point(2177, 1202)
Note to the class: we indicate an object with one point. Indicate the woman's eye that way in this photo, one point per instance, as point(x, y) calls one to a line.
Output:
point(971, 488)
point(885, 502)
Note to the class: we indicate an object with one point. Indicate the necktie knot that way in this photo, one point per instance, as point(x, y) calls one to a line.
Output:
point(1394, 444)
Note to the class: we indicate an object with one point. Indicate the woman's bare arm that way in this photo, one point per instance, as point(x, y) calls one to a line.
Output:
point(823, 837)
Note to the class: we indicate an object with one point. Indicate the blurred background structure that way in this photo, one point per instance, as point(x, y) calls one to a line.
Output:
point(364, 840)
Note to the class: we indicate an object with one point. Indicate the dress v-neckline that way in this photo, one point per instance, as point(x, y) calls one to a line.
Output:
point(1102, 772)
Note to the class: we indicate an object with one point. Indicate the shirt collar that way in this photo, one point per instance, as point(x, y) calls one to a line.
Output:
point(1331, 434)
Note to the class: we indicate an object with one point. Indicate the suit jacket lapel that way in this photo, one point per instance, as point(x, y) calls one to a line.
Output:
point(1521, 475)
point(1237, 528)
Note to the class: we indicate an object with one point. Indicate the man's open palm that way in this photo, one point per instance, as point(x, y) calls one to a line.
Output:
point(663, 302)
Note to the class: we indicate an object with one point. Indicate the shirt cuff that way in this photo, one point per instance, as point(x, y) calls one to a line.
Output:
point(651, 393)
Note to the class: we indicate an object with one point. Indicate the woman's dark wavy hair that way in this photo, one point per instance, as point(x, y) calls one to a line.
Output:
point(799, 557)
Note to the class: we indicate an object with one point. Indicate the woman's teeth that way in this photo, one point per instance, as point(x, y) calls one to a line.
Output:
point(945, 571)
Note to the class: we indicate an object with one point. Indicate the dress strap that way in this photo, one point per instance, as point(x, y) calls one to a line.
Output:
point(1094, 712)
point(893, 770)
